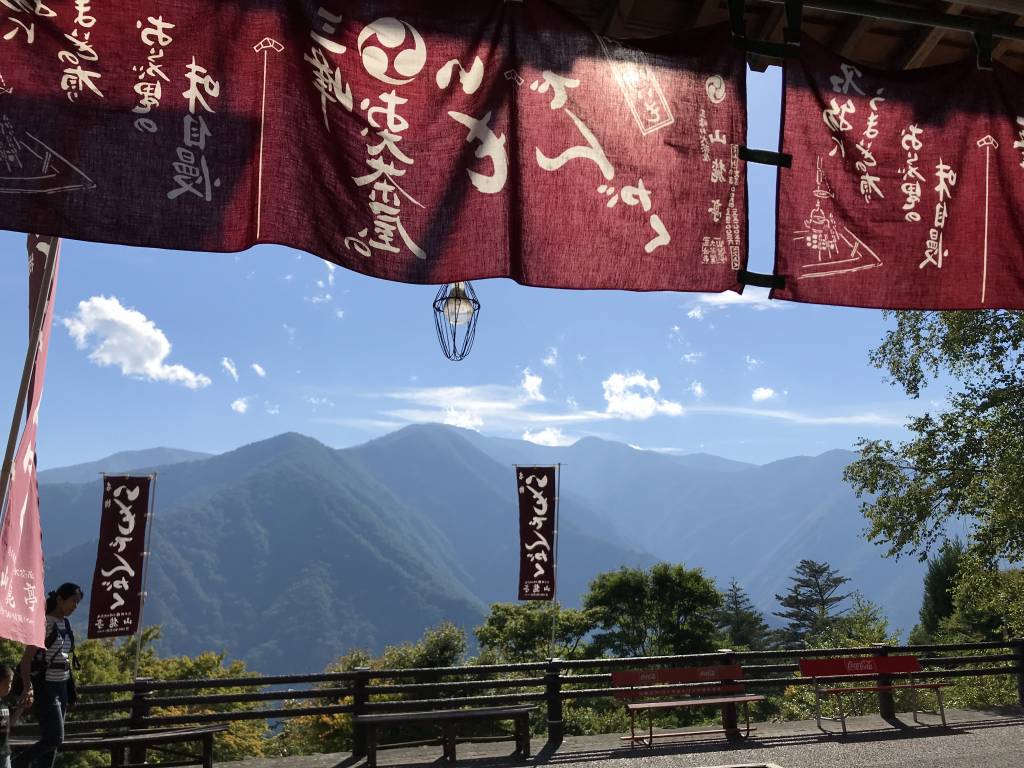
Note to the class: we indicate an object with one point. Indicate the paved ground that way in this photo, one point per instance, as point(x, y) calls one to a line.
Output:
point(991, 739)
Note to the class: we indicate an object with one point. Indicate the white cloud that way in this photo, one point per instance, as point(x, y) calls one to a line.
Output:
point(795, 417)
point(330, 272)
point(126, 338)
point(550, 436)
point(552, 358)
point(229, 365)
point(289, 278)
point(241, 405)
point(322, 298)
point(466, 419)
point(319, 283)
point(751, 298)
point(571, 402)
point(273, 410)
point(531, 386)
point(697, 389)
point(290, 330)
point(319, 402)
point(580, 358)
point(259, 370)
point(762, 393)
point(753, 362)
point(631, 396)
point(696, 313)
point(691, 358)
point(339, 313)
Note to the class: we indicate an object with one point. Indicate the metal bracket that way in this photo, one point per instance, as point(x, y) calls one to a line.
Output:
point(760, 280)
point(764, 157)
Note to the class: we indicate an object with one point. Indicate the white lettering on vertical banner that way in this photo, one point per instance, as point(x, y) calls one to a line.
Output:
point(191, 170)
point(22, 25)
point(1019, 144)
point(81, 57)
point(386, 171)
point(934, 251)
point(912, 178)
point(149, 88)
point(327, 78)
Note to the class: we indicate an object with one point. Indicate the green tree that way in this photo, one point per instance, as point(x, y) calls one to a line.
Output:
point(669, 609)
point(965, 461)
point(811, 603)
point(518, 632)
point(441, 646)
point(937, 602)
point(742, 625)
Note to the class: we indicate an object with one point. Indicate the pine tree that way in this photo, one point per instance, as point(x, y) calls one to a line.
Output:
point(939, 581)
point(811, 601)
point(741, 623)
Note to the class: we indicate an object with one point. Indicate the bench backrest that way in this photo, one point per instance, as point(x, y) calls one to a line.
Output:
point(863, 665)
point(719, 679)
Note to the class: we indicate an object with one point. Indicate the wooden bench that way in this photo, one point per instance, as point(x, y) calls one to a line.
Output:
point(714, 686)
point(119, 743)
point(447, 719)
point(860, 670)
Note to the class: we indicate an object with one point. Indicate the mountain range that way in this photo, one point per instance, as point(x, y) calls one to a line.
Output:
point(288, 553)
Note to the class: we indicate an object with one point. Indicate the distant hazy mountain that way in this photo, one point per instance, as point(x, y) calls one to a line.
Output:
point(287, 553)
point(126, 461)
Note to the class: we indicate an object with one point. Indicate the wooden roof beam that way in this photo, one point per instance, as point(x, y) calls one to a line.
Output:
point(927, 42)
point(707, 13)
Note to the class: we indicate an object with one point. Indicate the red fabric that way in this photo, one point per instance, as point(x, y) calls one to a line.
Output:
point(22, 595)
point(871, 665)
point(853, 186)
point(115, 603)
point(517, 142)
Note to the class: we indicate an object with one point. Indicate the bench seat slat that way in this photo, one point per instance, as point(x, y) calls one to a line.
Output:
point(865, 688)
point(696, 702)
point(443, 714)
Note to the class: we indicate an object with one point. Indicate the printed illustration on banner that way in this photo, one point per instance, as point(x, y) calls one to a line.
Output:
point(838, 251)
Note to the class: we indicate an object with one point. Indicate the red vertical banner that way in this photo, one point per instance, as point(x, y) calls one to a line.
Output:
point(115, 603)
point(538, 501)
point(22, 595)
point(907, 188)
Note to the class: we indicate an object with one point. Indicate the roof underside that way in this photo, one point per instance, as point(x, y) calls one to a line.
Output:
point(876, 42)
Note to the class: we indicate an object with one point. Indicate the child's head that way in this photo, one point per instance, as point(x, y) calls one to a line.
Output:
point(6, 678)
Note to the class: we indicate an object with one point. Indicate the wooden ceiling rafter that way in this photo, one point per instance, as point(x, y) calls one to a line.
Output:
point(886, 34)
point(928, 40)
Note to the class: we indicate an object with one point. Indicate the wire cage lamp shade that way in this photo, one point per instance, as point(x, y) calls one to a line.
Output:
point(456, 309)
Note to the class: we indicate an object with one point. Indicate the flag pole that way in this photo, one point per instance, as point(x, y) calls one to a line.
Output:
point(35, 331)
point(145, 572)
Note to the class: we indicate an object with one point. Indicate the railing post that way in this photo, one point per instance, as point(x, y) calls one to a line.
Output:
point(360, 698)
point(1018, 644)
point(730, 715)
point(886, 703)
point(553, 695)
point(141, 707)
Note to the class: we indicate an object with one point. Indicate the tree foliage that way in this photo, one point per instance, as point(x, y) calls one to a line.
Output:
point(811, 603)
point(939, 581)
point(742, 625)
point(519, 632)
point(964, 462)
point(668, 609)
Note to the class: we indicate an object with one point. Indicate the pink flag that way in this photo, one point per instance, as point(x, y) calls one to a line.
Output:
point(22, 597)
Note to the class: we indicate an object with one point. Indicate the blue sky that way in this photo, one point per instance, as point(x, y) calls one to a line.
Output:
point(211, 351)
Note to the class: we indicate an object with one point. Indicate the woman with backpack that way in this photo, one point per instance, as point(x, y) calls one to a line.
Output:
point(46, 672)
